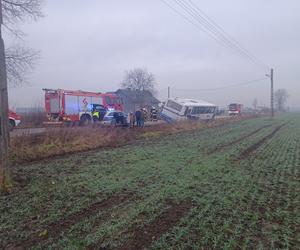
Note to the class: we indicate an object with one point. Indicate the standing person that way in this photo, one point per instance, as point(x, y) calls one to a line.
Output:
point(131, 119)
point(153, 114)
point(138, 116)
point(96, 116)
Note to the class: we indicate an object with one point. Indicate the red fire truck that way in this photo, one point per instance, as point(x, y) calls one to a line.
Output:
point(235, 109)
point(77, 106)
point(14, 119)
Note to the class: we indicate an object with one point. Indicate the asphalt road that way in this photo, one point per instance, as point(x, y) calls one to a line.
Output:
point(31, 131)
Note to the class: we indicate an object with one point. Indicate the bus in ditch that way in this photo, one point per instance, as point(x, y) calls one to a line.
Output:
point(184, 109)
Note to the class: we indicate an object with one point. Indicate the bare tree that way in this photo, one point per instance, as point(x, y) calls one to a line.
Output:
point(139, 79)
point(11, 12)
point(281, 96)
point(19, 60)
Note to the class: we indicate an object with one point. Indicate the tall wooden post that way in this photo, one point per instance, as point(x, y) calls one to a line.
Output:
point(272, 93)
point(4, 131)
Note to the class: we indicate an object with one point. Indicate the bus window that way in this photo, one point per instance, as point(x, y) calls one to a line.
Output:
point(186, 111)
point(212, 110)
point(203, 110)
point(189, 111)
point(197, 110)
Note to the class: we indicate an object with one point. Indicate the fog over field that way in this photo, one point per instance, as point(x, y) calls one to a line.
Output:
point(89, 44)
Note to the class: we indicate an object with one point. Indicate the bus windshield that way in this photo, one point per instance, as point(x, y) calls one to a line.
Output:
point(174, 105)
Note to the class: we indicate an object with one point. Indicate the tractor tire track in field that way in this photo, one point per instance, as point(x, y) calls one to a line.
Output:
point(143, 237)
point(244, 154)
point(54, 229)
point(221, 147)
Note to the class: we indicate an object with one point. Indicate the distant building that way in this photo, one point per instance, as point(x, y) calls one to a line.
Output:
point(135, 99)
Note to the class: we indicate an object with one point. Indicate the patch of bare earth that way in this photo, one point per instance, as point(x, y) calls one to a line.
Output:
point(144, 236)
point(55, 229)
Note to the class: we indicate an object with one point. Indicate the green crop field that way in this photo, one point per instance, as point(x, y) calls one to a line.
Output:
point(235, 186)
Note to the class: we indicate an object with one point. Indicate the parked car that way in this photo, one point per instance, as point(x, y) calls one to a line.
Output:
point(13, 120)
point(115, 118)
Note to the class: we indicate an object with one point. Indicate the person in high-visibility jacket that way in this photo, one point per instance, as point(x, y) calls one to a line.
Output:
point(96, 116)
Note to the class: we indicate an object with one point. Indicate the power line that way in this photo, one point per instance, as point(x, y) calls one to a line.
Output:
point(201, 17)
point(198, 26)
point(190, 21)
point(223, 87)
point(208, 26)
point(226, 34)
point(215, 30)
point(194, 13)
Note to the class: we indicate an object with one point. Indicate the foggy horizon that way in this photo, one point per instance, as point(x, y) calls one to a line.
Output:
point(90, 46)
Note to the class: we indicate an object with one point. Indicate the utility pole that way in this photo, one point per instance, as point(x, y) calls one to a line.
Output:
point(272, 93)
point(4, 131)
point(168, 92)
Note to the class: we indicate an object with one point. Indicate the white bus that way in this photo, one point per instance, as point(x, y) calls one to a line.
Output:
point(182, 109)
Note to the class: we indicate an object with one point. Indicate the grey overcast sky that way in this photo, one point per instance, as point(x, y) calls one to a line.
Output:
point(88, 45)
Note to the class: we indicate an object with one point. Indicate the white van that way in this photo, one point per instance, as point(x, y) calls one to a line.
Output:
point(182, 109)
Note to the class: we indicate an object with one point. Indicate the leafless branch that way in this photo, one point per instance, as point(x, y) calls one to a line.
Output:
point(19, 62)
point(18, 10)
point(15, 31)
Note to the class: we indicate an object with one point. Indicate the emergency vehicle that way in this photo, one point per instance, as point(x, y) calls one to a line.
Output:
point(78, 106)
point(235, 109)
point(14, 119)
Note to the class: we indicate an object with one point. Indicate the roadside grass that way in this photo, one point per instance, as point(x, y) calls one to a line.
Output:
point(62, 141)
point(237, 203)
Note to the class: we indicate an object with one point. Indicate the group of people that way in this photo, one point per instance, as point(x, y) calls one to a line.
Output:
point(138, 118)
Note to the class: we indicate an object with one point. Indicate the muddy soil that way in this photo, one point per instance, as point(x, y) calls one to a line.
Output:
point(143, 237)
point(54, 229)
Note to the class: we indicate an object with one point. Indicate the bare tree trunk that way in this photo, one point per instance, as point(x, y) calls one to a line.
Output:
point(4, 131)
